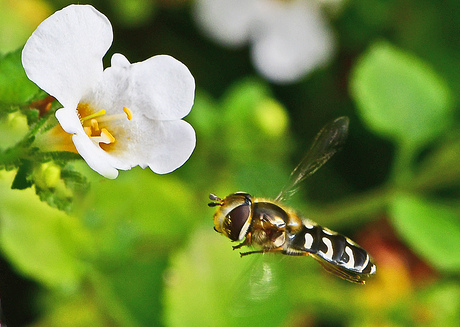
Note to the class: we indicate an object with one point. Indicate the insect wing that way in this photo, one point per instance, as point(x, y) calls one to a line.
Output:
point(327, 142)
point(252, 303)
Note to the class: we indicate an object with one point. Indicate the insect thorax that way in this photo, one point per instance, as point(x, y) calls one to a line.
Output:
point(272, 224)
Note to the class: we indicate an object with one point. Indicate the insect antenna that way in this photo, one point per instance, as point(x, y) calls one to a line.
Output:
point(214, 197)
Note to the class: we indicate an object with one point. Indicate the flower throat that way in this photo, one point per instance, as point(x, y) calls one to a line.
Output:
point(94, 123)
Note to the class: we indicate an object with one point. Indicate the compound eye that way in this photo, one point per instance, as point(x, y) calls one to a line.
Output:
point(235, 220)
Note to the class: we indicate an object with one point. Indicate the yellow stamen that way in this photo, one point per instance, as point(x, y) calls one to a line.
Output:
point(96, 114)
point(106, 133)
point(95, 125)
point(129, 113)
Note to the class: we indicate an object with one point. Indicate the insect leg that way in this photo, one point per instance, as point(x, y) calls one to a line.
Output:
point(278, 249)
point(247, 242)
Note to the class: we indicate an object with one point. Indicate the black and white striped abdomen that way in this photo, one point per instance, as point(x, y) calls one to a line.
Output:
point(332, 247)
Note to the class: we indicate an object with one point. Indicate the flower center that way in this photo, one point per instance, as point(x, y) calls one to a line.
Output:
point(94, 123)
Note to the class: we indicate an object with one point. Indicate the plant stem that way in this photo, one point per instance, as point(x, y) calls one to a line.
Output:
point(357, 209)
point(402, 170)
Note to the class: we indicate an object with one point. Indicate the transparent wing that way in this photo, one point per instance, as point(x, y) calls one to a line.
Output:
point(327, 142)
point(252, 302)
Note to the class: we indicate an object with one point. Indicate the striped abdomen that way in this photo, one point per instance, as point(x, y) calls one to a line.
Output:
point(339, 254)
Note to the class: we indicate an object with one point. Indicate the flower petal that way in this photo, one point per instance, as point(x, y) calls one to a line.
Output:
point(69, 121)
point(161, 145)
point(160, 87)
point(294, 41)
point(64, 54)
point(100, 161)
point(227, 21)
point(171, 144)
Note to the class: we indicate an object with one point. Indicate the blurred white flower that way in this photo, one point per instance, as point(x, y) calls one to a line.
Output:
point(120, 117)
point(289, 38)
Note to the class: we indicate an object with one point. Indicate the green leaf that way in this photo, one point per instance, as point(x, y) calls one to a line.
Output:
point(431, 229)
point(205, 115)
point(32, 116)
point(257, 125)
point(57, 186)
point(250, 102)
point(13, 128)
point(15, 87)
point(59, 310)
point(74, 180)
point(22, 179)
point(37, 239)
point(140, 207)
point(18, 19)
point(247, 133)
point(442, 303)
point(136, 282)
point(134, 13)
point(59, 157)
point(399, 96)
point(211, 285)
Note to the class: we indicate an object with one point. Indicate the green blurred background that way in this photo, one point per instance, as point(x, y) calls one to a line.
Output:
point(141, 250)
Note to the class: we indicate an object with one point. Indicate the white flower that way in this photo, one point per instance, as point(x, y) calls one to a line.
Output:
point(289, 38)
point(120, 117)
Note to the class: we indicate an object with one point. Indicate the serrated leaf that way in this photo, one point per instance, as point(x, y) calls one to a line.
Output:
point(75, 181)
point(431, 229)
point(15, 87)
point(57, 186)
point(22, 179)
point(59, 157)
point(399, 96)
point(32, 116)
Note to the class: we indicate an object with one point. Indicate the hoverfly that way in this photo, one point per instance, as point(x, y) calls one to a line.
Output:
point(273, 227)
